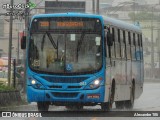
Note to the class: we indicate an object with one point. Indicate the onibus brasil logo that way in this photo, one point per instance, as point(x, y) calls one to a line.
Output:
point(19, 6)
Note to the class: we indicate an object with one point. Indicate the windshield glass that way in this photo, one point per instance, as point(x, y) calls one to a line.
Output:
point(65, 52)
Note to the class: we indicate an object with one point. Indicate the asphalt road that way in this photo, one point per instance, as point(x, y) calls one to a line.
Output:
point(149, 101)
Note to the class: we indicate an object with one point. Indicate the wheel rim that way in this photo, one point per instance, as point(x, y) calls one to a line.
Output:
point(111, 99)
point(110, 103)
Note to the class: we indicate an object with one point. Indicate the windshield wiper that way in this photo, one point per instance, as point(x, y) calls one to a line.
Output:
point(51, 40)
point(80, 43)
point(42, 44)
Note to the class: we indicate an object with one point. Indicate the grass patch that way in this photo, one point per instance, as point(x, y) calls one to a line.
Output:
point(6, 88)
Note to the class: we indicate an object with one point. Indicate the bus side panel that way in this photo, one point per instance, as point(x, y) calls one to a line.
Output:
point(139, 84)
point(126, 87)
point(142, 76)
point(124, 83)
point(113, 73)
point(119, 91)
point(129, 78)
point(136, 76)
point(142, 73)
point(108, 79)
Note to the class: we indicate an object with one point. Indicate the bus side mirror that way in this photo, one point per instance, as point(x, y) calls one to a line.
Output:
point(109, 39)
point(23, 42)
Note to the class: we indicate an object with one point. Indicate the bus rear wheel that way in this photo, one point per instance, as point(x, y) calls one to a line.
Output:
point(106, 106)
point(43, 106)
point(130, 103)
point(119, 104)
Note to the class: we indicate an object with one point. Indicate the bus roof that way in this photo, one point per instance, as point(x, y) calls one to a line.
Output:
point(121, 24)
point(69, 14)
point(106, 20)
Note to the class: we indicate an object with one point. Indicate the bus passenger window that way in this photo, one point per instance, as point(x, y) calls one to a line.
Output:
point(117, 47)
point(133, 53)
point(136, 40)
point(124, 37)
point(141, 42)
point(112, 52)
point(121, 37)
point(127, 37)
point(113, 46)
point(128, 52)
point(116, 34)
point(137, 47)
point(123, 52)
point(141, 48)
point(132, 46)
point(131, 38)
point(117, 44)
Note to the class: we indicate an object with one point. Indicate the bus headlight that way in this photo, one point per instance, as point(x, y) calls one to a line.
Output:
point(94, 84)
point(36, 84)
point(33, 82)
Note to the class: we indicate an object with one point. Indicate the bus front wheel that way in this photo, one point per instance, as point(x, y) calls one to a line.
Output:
point(107, 106)
point(43, 106)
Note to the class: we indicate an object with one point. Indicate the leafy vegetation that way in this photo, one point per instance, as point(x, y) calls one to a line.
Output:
point(6, 88)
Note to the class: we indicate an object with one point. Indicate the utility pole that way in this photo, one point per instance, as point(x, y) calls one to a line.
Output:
point(152, 47)
point(18, 49)
point(159, 41)
point(97, 10)
point(93, 6)
point(159, 46)
point(26, 33)
point(10, 45)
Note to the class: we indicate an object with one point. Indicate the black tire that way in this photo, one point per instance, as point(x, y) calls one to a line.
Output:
point(43, 106)
point(119, 104)
point(130, 103)
point(108, 105)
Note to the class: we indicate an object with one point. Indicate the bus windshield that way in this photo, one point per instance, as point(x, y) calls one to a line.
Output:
point(65, 45)
point(65, 52)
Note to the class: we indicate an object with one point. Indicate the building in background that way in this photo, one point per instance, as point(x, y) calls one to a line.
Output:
point(126, 10)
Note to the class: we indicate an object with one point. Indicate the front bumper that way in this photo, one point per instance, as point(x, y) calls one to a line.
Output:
point(80, 96)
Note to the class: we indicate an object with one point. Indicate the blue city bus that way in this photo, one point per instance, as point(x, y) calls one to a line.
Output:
point(77, 60)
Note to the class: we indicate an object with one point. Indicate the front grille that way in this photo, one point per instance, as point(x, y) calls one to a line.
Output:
point(55, 86)
point(74, 87)
point(64, 95)
point(64, 79)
